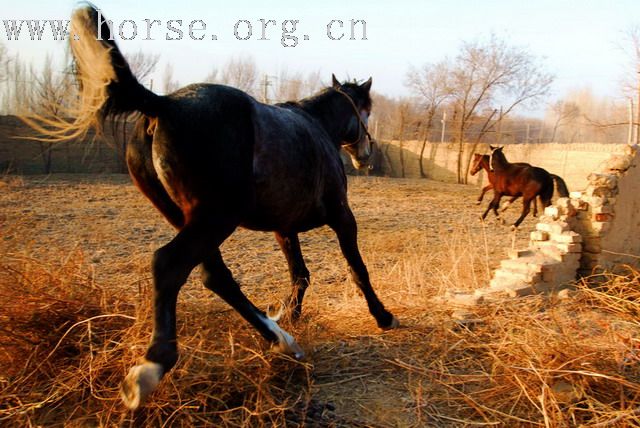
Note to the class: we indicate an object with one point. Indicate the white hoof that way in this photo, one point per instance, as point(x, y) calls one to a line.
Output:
point(274, 315)
point(140, 383)
point(478, 202)
point(286, 343)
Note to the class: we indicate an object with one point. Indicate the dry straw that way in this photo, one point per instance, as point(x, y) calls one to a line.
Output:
point(67, 339)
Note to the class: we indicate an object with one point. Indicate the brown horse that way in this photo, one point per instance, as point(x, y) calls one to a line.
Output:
point(482, 162)
point(512, 179)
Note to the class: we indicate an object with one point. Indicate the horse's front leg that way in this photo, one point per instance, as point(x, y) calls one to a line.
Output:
point(217, 278)
point(492, 205)
point(344, 224)
point(300, 280)
point(485, 189)
point(526, 207)
point(508, 204)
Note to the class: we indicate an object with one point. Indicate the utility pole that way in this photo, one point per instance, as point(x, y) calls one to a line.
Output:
point(541, 132)
point(444, 125)
point(638, 110)
point(630, 135)
point(265, 86)
point(500, 126)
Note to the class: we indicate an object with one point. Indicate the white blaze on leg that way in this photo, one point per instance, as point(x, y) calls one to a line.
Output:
point(286, 342)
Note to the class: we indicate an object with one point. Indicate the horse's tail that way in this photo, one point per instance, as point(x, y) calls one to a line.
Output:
point(563, 191)
point(106, 83)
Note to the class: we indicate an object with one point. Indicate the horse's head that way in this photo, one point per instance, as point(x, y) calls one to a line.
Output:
point(355, 138)
point(477, 164)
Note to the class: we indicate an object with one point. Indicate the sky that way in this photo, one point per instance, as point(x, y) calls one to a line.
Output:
point(580, 42)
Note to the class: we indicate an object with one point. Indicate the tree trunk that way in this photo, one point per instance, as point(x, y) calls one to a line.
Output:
point(401, 144)
point(424, 142)
point(45, 154)
point(388, 159)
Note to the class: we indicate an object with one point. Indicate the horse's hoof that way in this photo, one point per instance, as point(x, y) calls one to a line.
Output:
point(275, 312)
point(514, 228)
point(286, 343)
point(140, 383)
point(393, 324)
point(478, 202)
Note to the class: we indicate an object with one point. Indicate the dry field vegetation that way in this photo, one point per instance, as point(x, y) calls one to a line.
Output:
point(75, 315)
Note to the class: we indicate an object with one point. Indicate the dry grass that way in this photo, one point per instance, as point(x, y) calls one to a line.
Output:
point(75, 289)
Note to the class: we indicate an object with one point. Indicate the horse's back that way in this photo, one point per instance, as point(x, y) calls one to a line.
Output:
point(272, 167)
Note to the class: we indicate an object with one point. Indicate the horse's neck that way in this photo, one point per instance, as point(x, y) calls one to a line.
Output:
point(500, 162)
point(486, 164)
point(332, 115)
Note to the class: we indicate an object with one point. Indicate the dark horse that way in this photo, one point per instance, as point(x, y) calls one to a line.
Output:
point(512, 179)
point(211, 158)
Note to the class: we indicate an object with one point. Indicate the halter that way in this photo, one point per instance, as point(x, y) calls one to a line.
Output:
point(362, 126)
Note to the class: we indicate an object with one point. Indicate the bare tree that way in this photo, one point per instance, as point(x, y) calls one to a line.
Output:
point(486, 74)
point(143, 64)
point(212, 77)
point(169, 85)
point(633, 83)
point(288, 86)
point(5, 62)
point(432, 84)
point(565, 112)
point(241, 73)
point(312, 83)
point(51, 92)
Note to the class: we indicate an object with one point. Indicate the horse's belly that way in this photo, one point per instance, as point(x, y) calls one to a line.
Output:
point(286, 216)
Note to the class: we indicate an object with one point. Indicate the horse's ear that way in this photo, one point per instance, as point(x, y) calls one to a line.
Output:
point(492, 148)
point(367, 85)
point(334, 82)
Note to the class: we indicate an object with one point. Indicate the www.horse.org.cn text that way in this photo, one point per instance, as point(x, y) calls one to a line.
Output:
point(288, 30)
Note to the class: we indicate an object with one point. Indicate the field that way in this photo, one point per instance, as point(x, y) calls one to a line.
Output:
point(75, 285)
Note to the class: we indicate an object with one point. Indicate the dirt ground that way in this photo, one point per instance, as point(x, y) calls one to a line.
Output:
point(107, 219)
point(418, 238)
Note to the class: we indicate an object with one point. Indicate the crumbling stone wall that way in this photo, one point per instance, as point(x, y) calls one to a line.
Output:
point(610, 226)
point(593, 230)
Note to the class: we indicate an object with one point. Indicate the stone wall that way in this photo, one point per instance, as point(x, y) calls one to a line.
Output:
point(592, 231)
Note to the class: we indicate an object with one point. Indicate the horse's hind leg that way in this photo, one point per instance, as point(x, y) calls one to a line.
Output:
point(290, 245)
point(347, 231)
point(508, 204)
point(217, 277)
point(171, 266)
point(493, 205)
point(144, 176)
